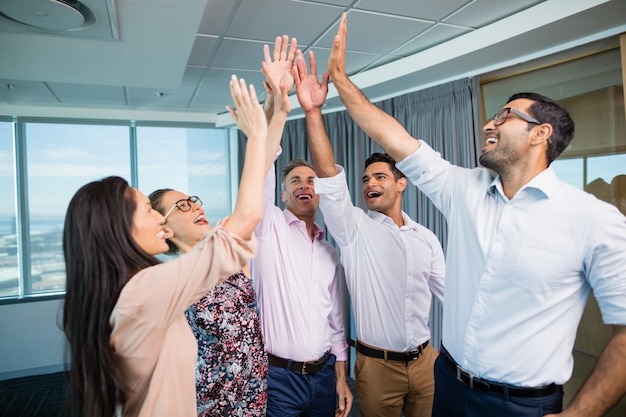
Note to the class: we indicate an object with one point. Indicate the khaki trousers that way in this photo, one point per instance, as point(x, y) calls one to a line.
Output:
point(385, 388)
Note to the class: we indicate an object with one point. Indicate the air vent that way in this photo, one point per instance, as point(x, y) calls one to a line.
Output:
point(86, 18)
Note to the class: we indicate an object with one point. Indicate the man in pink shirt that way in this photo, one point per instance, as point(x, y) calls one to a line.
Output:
point(296, 272)
point(296, 275)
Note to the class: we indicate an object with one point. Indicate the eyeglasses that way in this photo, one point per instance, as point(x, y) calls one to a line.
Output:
point(502, 115)
point(183, 205)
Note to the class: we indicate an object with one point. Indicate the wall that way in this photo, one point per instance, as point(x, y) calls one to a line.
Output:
point(32, 340)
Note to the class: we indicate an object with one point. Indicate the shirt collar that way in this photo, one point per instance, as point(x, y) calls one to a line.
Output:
point(291, 219)
point(546, 183)
point(381, 218)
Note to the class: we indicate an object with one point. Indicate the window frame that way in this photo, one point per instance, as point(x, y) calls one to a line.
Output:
point(20, 175)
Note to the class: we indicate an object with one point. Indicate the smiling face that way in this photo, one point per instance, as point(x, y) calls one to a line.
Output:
point(509, 142)
point(382, 192)
point(187, 226)
point(299, 192)
point(148, 226)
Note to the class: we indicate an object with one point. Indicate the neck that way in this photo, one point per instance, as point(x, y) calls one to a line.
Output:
point(514, 180)
point(309, 221)
point(395, 214)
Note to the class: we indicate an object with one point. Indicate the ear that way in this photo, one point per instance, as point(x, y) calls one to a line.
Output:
point(402, 183)
point(541, 134)
point(283, 198)
point(168, 232)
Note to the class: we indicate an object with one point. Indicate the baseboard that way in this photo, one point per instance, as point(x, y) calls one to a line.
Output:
point(32, 371)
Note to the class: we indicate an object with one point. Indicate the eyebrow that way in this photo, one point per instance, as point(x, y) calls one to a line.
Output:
point(374, 174)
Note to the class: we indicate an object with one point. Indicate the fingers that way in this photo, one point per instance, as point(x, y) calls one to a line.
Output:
point(312, 62)
point(242, 97)
point(278, 47)
point(283, 47)
point(292, 49)
point(266, 53)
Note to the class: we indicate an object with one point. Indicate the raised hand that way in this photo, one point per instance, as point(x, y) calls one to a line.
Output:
point(278, 70)
point(247, 112)
point(337, 58)
point(311, 93)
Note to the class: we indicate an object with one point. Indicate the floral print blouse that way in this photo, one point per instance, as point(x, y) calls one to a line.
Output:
point(232, 364)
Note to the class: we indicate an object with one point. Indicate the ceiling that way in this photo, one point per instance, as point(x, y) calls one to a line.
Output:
point(171, 60)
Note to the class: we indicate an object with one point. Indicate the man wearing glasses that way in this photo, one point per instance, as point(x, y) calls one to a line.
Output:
point(524, 251)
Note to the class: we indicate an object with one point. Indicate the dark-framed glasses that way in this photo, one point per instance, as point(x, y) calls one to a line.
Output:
point(503, 114)
point(183, 205)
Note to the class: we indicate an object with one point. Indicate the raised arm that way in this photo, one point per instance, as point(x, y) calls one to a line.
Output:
point(250, 118)
point(380, 126)
point(278, 83)
point(311, 95)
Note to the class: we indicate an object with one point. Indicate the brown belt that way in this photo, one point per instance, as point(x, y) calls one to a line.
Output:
point(391, 355)
point(304, 368)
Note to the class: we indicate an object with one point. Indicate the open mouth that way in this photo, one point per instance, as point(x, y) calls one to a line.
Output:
point(491, 140)
point(373, 194)
point(201, 220)
point(304, 197)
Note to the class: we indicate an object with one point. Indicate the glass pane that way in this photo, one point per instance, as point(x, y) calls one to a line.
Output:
point(591, 88)
point(191, 160)
point(9, 269)
point(60, 159)
point(570, 170)
point(609, 172)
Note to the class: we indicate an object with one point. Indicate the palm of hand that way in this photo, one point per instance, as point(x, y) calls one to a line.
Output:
point(312, 94)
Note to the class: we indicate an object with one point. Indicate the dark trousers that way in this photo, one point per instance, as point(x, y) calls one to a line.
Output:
point(454, 398)
point(291, 394)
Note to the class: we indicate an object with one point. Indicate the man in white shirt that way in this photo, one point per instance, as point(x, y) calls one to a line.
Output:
point(392, 264)
point(524, 251)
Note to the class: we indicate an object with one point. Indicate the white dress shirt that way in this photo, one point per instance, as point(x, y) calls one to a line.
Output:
point(297, 286)
point(519, 271)
point(390, 270)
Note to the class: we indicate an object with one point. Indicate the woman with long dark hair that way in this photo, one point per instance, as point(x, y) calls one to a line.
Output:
point(132, 352)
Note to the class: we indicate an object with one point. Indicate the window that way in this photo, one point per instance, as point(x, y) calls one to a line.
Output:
point(53, 159)
point(193, 161)
point(592, 90)
point(9, 276)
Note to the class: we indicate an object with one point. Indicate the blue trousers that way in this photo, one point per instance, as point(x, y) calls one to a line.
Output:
point(454, 398)
point(291, 394)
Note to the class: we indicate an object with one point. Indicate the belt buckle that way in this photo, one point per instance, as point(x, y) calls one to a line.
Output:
point(459, 375)
point(303, 371)
point(416, 353)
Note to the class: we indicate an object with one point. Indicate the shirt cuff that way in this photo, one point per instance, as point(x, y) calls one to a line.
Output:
point(412, 165)
point(331, 185)
point(340, 350)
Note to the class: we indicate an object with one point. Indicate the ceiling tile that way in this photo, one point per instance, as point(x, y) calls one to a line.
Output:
point(421, 9)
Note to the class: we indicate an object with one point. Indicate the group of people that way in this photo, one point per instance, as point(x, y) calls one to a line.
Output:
point(248, 319)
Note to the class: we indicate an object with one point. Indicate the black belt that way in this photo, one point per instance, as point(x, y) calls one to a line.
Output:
point(391, 355)
point(485, 385)
point(304, 368)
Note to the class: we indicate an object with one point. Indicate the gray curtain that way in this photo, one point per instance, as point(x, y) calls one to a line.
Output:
point(447, 117)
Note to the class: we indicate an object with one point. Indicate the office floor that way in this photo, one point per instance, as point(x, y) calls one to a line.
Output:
point(42, 396)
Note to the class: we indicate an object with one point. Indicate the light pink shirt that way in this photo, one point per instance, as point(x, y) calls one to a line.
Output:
point(297, 285)
point(154, 345)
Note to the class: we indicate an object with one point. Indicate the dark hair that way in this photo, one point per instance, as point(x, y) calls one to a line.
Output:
point(156, 198)
point(101, 255)
point(385, 157)
point(293, 164)
point(547, 110)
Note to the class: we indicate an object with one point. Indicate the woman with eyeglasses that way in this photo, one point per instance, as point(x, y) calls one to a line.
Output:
point(232, 367)
point(132, 352)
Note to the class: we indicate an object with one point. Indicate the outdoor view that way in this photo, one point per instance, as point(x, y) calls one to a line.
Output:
point(59, 158)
